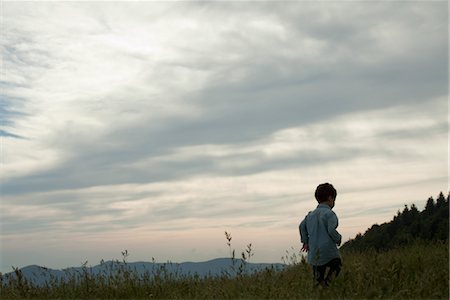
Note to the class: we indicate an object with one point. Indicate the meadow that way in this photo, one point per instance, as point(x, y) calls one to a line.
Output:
point(417, 271)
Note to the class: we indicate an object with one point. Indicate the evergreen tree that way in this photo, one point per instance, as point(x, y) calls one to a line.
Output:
point(440, 202)
point(429, 207)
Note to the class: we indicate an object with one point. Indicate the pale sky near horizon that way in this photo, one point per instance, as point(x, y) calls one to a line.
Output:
point(156, 126)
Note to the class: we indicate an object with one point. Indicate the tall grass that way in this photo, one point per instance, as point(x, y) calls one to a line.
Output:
point(420, 270)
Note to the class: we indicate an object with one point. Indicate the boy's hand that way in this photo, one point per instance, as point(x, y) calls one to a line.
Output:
point(305, 248)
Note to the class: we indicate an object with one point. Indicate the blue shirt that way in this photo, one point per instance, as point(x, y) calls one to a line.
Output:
point(318, 230)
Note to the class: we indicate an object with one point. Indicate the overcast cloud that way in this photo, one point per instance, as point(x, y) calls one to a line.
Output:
point(149, 125)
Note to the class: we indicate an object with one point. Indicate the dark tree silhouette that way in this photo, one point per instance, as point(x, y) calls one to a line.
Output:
point(407, 226)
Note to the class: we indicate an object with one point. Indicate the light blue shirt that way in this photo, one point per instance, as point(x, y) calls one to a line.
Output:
point(318, 230)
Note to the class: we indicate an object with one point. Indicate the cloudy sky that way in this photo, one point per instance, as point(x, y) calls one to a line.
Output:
point(155, 127)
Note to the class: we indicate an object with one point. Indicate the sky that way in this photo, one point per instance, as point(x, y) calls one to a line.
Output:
point(157, 126)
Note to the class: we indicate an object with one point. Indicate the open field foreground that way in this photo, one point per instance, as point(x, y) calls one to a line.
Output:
point(420, 270)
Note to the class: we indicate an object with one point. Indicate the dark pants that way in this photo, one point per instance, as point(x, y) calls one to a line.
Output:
point(334, 267)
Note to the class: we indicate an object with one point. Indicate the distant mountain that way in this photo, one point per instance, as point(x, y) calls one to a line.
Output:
point(407, 226)
point(40, 276)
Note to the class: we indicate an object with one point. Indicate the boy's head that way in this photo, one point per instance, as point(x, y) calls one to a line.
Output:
point(324, 191)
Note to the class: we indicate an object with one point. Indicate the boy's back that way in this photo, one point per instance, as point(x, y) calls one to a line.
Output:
point(318, 230)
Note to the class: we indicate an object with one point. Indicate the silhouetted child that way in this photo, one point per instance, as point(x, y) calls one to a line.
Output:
point(320, 238)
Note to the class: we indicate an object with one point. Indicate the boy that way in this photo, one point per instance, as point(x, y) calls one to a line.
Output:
point(320, 238)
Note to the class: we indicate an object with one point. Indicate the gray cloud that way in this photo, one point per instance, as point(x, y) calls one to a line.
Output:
point(4, 133)
point(116, 166)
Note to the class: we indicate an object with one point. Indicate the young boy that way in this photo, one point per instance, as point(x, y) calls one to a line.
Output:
point(320, 238)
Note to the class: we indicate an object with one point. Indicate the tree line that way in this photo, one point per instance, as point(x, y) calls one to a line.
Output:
point(409, 225)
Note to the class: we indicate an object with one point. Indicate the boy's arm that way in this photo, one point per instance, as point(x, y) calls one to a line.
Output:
point(332, 225)
point(303, 231)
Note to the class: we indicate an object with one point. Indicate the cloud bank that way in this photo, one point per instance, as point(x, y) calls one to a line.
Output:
point(165, 121)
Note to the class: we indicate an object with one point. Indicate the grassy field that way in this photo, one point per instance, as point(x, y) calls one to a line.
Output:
point(416, 271)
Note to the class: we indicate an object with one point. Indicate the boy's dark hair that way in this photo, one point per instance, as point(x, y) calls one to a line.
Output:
point(324, 191)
